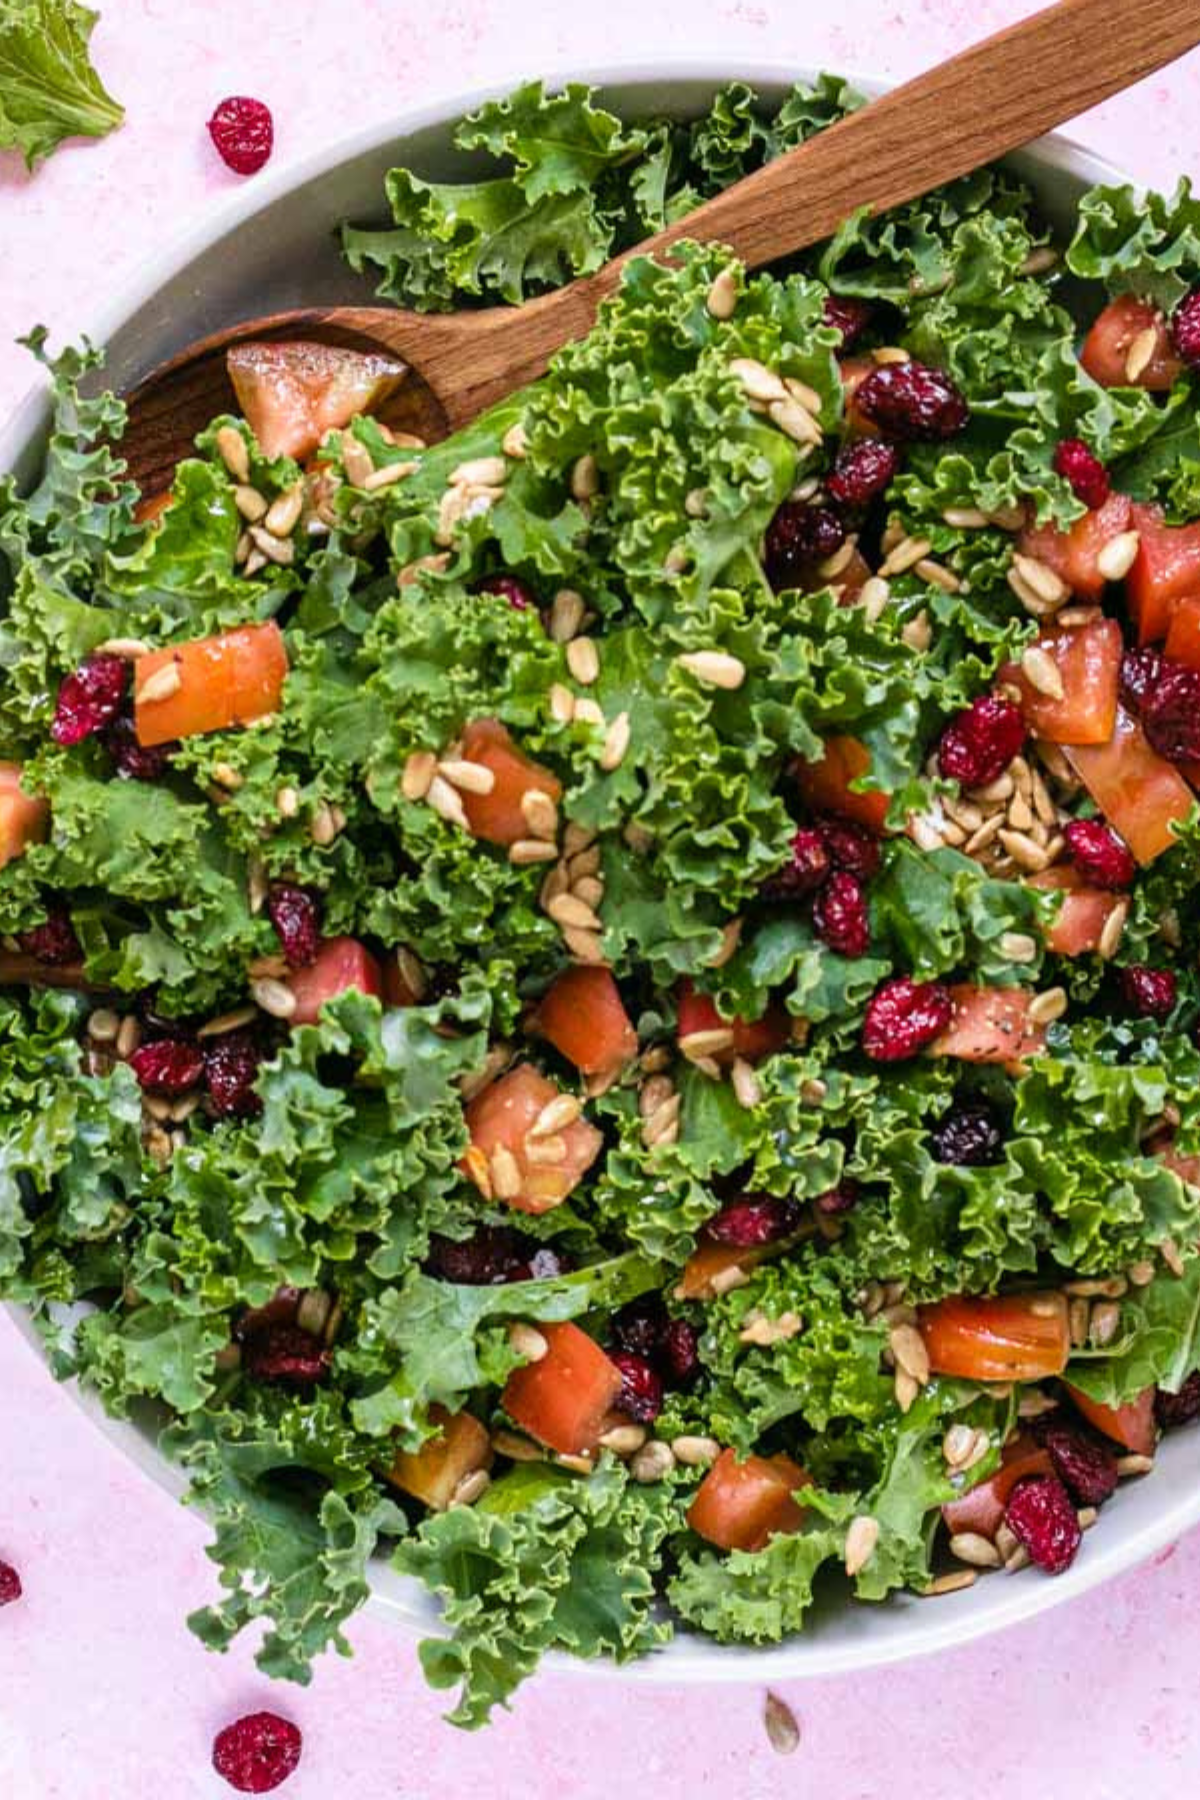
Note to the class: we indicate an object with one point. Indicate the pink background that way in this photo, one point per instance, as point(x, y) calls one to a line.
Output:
point(103, 1693)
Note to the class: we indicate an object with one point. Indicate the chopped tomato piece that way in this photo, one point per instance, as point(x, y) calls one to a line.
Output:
point(825, 785)
point(1132, 1425)
point(1084, 912)
point(854, 371)
point(981, 1508)
point(741, 1505)
point(24, 818)
point(498, 816)
point(151, 507)
point(1139, 792)
point(990, 1025)
point(341, 963)
point(500, 1119)
point(1089, 664)
point(752, 1038)
point(1183, 634)
point(1105, 353)
point(1073, 553)
point(1165, 571)
point(231, 679)
point(433, 1473)
point(292, 394)
point(563, 1400)
point(583, 1016)
point(702, 1272)
point(1009, 1337)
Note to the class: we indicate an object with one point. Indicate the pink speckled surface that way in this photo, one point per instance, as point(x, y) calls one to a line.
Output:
point(103, 1693)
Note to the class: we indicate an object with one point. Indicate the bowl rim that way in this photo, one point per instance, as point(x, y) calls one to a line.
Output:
point(689, 1658)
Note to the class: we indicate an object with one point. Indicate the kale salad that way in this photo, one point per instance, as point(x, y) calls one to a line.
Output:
point(606, 1009)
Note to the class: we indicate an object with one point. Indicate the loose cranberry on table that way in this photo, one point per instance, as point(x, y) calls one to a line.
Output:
point(10, 1584)
point(1041, 1516)
point(903, 1016)
point(296, 913)
point(641, 1394)
point(798, 538)
point(1101, 857)
point(912, 402)
point(840, 915)
point(243, 132)
point(89, 699)
point(979, 743)
point(258, 1752)
point(168, 1066)
point(862, 472)
point(53, 942)
point(1150, 993)
point(1083, 470)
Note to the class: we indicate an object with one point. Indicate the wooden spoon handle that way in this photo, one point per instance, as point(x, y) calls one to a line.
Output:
point(990, 99)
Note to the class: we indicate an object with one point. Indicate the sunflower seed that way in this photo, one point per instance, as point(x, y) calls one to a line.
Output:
point(555, 1116)
point(526, 1340)
point(562, 703)
point(517, 1448)
point(505, 1173)
point(746, 1088)
point(965, 518)
point(446, 802)
point(623, 1440)
point(1119, 555)
point(908, 1348)
point(468, 777)
point(283, 515)
point(695, 1452)
point(794, 421)
point(950, 1584)
point(783, 1732)
point(161, 685)
point(1042, 672)
point(1105, 1322)
point(652, 1462)
point(861, 1539)
point(250, 503)
point(230, 1021)
point(616, 743)
point(1134, 1465)
point(585, 478)
point(1041, 580)
point(714, 668)
point(273, 997)
point(1141, 353)
point(1039, 261)
point(480, 471)
point(419, 771)
point(758, 382)
point(540, 813)
point(566, 615)
point(1047, 1006)
point(1114, 926)
point(722, 297)
point(275, 549)
point(938, 576)
point(973, 1548)
point(905, 555)
point(231, 448)
point(583, 660)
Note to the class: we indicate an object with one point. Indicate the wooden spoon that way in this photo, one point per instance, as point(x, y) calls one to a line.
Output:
point(979, 105)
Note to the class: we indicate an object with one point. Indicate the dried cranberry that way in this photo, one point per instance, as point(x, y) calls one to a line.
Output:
point(1185, 329)
point(641, 1394)
point(903, 1016)
point(862, 471)
point(680, 1353)
point(286, 1354)
point(53, 941)
point(167, 1066)
point(257, 1752)
point(638, 1327)
point(804, 873)
point(10, 1584)
point(850, 317)
point(231, 1065)
point(507, 587)
point(840, 915)
point(980, 742)
point(244, 133)
point(1150, 993)
point(1178, 1409)
point(491, 1255)
point(1171, 711)
point(754, 1219)
point(296, 913)
point(280, 1309)
point(1099, 854)
point(1083, 471)
point(970, 1136)
point(89, 699)
point(912, 401)
point(798, 538)
point(134, 761)
point(850, 846)
point(840, 1199)
point(1041, 1517)
point(1085, 1465)
point(1139, 672)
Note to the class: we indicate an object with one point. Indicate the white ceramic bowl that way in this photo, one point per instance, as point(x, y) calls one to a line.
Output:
point(272, 246)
